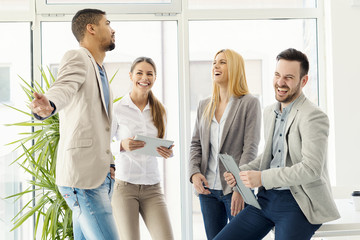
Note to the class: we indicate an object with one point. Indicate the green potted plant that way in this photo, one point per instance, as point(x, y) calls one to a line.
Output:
point(39, 151)
point(38, 158)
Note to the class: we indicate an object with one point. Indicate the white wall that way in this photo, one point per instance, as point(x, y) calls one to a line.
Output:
point(344, 71)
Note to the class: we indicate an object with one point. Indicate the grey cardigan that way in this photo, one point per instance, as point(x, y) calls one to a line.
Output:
point(240, 138)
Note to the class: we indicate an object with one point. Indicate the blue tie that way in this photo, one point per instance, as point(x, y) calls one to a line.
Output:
point(105, 87)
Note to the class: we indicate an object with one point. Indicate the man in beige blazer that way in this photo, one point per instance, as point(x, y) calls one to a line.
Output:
point(82, 97)
point(291, 173)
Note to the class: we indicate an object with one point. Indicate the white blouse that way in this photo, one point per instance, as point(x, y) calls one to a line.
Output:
point(129, 121)
point(216, 131)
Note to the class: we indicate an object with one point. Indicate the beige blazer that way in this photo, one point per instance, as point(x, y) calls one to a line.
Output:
point(240, 138)
point(84, 155)
point(306, 136)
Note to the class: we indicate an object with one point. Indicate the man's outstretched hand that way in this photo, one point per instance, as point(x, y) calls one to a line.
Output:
point(41, 105)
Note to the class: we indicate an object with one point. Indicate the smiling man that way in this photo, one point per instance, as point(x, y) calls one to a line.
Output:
point(291, 173)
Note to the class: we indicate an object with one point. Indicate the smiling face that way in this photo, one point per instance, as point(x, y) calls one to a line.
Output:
point(143, 77)
point(287, 83)
point(220, 70)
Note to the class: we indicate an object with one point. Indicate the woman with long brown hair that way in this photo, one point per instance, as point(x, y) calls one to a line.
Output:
point(137, 188)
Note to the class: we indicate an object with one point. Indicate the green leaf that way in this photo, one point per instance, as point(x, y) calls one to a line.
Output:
point(112, 78)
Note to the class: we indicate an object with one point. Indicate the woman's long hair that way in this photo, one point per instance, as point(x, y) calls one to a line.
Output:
point(237, 85)
point(157, 109)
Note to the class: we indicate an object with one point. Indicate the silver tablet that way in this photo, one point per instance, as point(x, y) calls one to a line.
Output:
point(151, 144)
point(245, 192)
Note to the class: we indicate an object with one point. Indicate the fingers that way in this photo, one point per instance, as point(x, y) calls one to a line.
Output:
point(205, 182)
point(204, 191)
point(165, 152)
point(230, 179)
point(251, 179)
point(199, 181)
point(231, 182)
point(129, 144)
point(112, 173)
point(199, 187)
point(235, 209)
point(40, 105)
point(245, 180)
point(38, 95)
point(134, 144)
point(237, 203)
point(41, 110)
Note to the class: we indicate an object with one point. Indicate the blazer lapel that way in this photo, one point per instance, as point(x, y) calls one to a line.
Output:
point(229, 119)
point(293, 112)
point(205, 139)
point(290, 119)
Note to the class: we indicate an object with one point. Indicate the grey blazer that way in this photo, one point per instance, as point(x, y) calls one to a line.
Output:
point(84, 155)
point(306, 173)
point(240, 138)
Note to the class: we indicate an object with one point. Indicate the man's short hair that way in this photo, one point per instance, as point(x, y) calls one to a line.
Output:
point(292, 54)
point(82, 18)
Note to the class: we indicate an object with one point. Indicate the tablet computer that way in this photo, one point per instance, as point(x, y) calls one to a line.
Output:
point(151, 144)
point(245, 192)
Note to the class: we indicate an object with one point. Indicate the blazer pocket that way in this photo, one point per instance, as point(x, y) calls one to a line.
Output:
point(314, 184)
point(80, 143)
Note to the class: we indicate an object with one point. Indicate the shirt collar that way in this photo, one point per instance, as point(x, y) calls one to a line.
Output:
point(286, 109)
point(128, 102)
point(228, 106)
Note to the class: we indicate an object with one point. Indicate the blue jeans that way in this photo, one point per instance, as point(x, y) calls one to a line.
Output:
point(92, 212)
point(216, 211)
point(279, 209)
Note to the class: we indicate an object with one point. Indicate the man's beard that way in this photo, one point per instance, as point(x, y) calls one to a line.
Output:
point(111, 47)
point(290, 97)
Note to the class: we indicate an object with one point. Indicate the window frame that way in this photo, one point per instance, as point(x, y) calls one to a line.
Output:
point(121, 8)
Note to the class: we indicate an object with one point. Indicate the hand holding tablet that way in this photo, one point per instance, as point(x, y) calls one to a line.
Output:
point(151, 144)
point(245, 192)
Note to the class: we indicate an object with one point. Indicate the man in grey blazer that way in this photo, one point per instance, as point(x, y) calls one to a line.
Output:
point(85, 167)
point(291, 174)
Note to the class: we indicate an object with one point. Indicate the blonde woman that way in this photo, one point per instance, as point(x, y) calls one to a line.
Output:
point(137, 188)
point(227, 122)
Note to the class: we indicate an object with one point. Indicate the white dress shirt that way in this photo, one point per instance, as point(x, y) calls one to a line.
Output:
point(216, 130)
point(129, 121)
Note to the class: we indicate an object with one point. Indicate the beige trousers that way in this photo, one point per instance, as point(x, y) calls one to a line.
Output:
point(129, 200)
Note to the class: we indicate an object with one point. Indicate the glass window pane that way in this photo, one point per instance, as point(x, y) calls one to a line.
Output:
point(14, 5)
point(239, 4)
point(259, 42)
point(155, 39)
point(14, 62)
